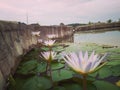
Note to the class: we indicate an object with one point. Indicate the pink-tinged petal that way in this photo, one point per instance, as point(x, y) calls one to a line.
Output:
point(87, 68)
point(72, 65)
point(100, 60)
point(49, 42)
point(40, 40)
point(70, 60)
point(81, 56)
point(74, 58)
point(91, 56)
point(46, 55)
point(86, 56)
point(80, 64)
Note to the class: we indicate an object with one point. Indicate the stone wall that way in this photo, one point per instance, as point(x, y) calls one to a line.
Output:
point(16, 40)
point(60, 31)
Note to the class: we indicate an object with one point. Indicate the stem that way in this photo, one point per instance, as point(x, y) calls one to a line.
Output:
point(47, 68)
point(50, 59)
point(50, 71)
point(84, 82)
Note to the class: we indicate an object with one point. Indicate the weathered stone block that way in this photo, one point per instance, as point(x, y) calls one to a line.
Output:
point(2, 81)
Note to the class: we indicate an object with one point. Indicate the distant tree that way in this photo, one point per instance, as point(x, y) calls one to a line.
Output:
point(109, 21)
point(61, 24)
point(99, 22)
point(119, 20)
point(90, 23)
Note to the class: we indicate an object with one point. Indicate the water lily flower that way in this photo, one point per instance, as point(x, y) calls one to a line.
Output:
point(36, 33)
point(83, 64)
point(49, 42)
point(49, 55)
point(40, 40)
point(51, 36)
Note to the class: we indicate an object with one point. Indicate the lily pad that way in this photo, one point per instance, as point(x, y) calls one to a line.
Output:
point(45, 48)
point(61, 75)
point(41, 67)
point(57, 66)
point(103, 85)
point(27, 67)
point(72, 87)
point(104, 72)
point(58, 88)
point(116, 70)
point(113, 62)
point(58, 48)
point(37, 83)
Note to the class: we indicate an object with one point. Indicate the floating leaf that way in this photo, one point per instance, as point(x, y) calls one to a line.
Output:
point(103, 85)
point(41, 67)
point(19, 84)
point(45, 48)
point(116, 70)
point(91, 87)
point(27, 67)
point(61, 75)
point(114, 62)
point(37, 83)
point(58, 49)
point(104, 72)
point(57, 66)
point(72, 87)
point(58, 88)
point(114, 56)
point(93, 74)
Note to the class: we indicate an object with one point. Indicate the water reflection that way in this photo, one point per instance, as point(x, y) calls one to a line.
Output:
point(107, 38)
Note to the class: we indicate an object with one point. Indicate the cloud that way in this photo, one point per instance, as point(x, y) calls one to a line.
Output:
point(56, 11)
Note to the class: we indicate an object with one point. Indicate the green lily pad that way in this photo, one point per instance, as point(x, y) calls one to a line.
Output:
point(104, 72)
point(103, 85)
point(113, 62)
point(27, 67)
point(37, 83)
point(91, 87)
point(58, 48)
point(45, 48)
point(72, 87)
point(116, 70)
point(94, 74)
point(61, 75)
point(19, 82)
point(41, 67)
point(57, 66)
point(58, 88)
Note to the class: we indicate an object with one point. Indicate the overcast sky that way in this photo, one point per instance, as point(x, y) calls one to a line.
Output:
point(50, 12)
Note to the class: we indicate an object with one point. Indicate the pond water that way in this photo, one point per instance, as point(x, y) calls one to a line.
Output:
point(106, 38)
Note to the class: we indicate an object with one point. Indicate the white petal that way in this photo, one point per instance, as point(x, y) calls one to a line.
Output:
point(91, 56)
point(96, 64)
point(87, 68)
point(86, 56)
point(72, 65)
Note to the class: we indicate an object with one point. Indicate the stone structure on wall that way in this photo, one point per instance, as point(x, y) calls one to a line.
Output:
point(61, 31)
point(16, 40)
